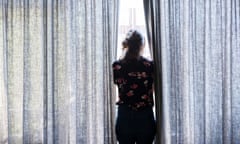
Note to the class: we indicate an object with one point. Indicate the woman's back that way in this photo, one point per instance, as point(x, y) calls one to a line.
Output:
point(134, 80)
point(133, 75)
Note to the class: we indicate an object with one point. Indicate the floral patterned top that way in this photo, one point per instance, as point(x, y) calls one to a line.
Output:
point(135, 82)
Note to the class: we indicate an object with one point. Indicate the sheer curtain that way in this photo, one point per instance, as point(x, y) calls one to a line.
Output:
point(55, 75)
point(197, 51)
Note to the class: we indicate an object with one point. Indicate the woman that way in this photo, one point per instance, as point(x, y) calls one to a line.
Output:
point(133, 74)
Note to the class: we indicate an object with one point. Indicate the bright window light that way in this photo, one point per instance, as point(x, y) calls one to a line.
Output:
point(131, 16)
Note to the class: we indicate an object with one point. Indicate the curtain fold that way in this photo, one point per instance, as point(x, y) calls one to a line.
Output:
point(154, 39)
point(149, 20)
point(55, 71)
point(198, 44)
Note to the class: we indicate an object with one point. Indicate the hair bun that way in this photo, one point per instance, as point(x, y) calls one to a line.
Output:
point(133, 36)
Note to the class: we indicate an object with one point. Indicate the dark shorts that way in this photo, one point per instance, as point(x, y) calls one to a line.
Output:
point(135, 126)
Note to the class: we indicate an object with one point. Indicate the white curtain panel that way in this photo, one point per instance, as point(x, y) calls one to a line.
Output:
point(55, 71)
point(198, 45)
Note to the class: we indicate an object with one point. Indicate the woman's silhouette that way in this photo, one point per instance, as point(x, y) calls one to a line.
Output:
point(133, 74)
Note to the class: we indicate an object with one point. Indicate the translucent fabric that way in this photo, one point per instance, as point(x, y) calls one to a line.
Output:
point(55, 71)
point(196, 48)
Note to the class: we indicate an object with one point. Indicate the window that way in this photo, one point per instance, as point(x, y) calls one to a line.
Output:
point(131, 16)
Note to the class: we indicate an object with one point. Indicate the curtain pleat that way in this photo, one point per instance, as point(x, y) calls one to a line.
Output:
point(149, 20)
point(55, 75)
point(3, 86)
point(153, 36)
point(197, 43)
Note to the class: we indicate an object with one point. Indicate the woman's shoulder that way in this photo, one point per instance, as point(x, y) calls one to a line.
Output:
point(147, 61)
point(116, 62)
point(117, 65)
